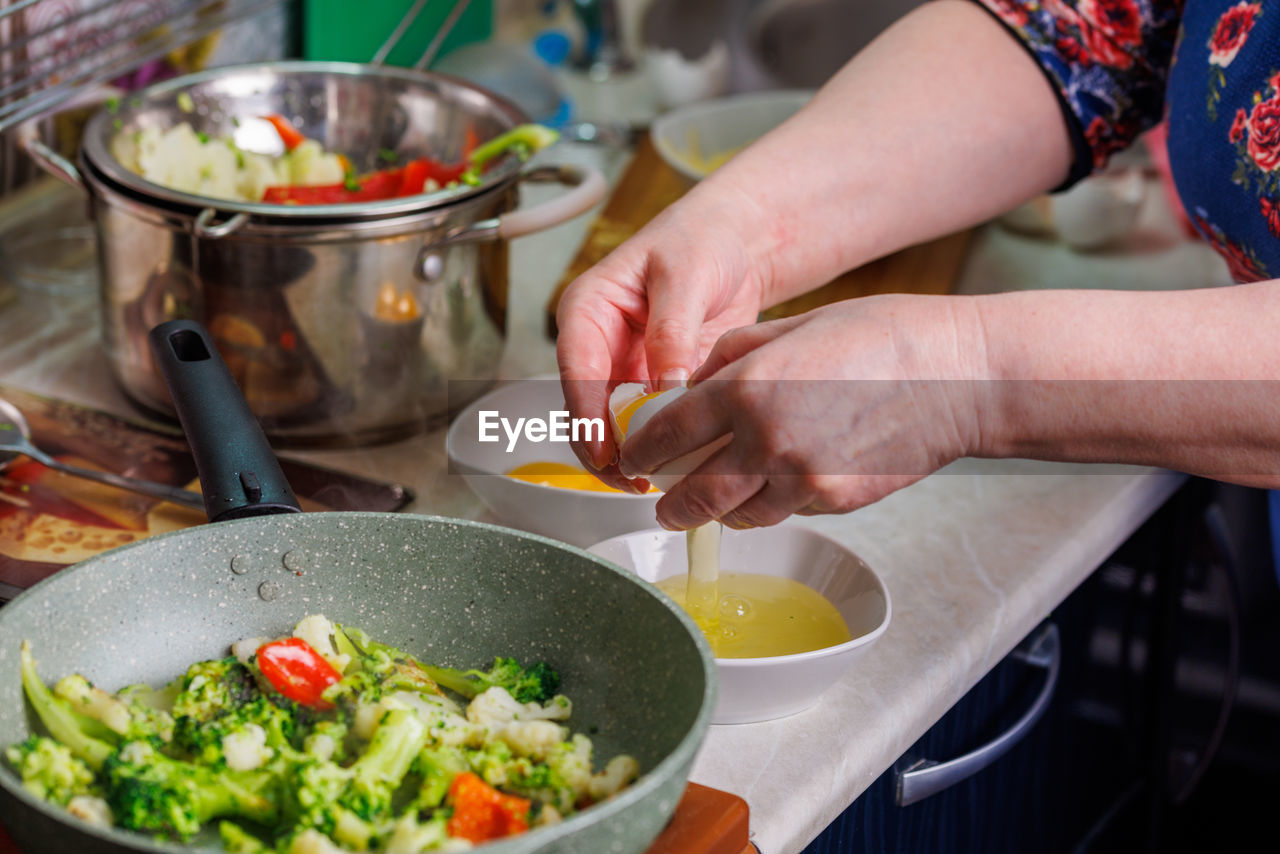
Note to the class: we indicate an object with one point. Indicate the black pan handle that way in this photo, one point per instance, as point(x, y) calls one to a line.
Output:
point(239, 474)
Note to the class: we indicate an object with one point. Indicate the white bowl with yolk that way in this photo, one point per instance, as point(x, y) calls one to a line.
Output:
point(575, 516)
point(774, 686)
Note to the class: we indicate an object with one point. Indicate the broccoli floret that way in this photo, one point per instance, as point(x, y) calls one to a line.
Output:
point(237, 840)
point(499, 766)
point(50, 771)
point(536, 683)
point(147, 790)
point(90, 700)
point(212, 688)
point(352, 692)
point(351, 804)
point(437, 766)
point(207, 713)
point(149, 711)
point(394, 669)
point(327, 740)
point(400, 737)
point(87, 738)
point(410, 835)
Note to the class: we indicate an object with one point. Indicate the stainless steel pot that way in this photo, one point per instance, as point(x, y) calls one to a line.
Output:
point(292, 294)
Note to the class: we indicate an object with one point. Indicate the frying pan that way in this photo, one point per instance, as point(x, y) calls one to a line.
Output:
point(640, 674)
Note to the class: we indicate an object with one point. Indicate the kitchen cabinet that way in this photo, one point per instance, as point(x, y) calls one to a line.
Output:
point(1133, 752)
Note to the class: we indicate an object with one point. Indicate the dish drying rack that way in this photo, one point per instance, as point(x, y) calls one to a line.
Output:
point(50, 50)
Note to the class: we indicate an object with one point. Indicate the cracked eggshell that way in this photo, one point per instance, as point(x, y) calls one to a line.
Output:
point(630, 408)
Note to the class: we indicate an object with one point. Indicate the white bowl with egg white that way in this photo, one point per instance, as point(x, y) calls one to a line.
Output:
point(574, 516)
point(697, 138)
point(774, 686)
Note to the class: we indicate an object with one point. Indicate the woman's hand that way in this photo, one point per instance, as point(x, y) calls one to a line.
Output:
point(828, 411)
point(651, 310)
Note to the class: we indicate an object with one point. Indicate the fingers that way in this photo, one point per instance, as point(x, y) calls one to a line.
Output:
point(736, 343)
point(671, 338)
point(689, 423)
point(590, 349)
point(698, 499)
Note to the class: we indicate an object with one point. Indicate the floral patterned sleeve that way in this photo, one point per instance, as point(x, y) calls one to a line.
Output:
point(1107, 60)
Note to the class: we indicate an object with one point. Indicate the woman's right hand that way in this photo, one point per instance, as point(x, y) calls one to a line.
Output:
point(651, 311)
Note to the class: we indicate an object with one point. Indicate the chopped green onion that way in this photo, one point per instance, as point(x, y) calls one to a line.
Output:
point(386, 155)
point(113, 104)
point(203, 137)
point(185, 103)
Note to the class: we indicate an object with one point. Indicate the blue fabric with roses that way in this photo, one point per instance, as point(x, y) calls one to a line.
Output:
point(1212, 67)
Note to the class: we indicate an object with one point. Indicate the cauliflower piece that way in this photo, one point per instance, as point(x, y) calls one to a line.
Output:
point(572, 761)
point(246, 749)
point(91, 810)
point(317, 631)
point(191, 162)
point(445, 724)
point(136, 753)
point(368, 715)
point(312, 841)
point(534, 739)
point(546, 817)
point(494, 708)
point(321, 745)
point(247, 648)
point(257, 172)
point(617, 774)
point(310, 164)
point(410, 836)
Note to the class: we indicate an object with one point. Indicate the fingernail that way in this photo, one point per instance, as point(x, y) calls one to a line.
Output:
point(626, 471)
point(674, 378)
point(670, 526)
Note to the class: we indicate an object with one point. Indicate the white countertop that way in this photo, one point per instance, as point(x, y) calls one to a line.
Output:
point(974, 557)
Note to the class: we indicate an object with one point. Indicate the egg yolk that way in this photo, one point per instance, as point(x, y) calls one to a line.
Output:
point(560, 475)
point(624, 414)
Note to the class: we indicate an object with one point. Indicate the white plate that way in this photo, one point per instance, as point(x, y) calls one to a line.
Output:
point(760, 689)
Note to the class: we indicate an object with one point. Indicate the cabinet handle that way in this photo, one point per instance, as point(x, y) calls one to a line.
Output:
point(925, 777)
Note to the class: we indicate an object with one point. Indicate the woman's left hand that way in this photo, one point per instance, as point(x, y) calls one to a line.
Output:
point(828, 411)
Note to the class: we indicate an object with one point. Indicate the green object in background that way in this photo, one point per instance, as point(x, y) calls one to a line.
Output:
point(347, 31)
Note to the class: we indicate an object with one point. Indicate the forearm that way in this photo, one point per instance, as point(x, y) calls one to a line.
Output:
point(942, 122)
point(1186, 380)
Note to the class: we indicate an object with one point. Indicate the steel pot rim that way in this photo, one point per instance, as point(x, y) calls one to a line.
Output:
point(95, 150)
point(292, 229)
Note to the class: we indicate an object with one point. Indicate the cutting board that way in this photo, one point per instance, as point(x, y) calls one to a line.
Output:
point(648, 185)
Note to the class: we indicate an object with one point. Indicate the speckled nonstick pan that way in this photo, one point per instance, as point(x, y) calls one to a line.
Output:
point(640, 674)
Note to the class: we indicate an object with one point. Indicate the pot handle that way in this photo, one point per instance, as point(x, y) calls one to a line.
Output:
point(49, 160)
point(205, 227)
point(239, 474)
point(27, 135)
point(588, 189)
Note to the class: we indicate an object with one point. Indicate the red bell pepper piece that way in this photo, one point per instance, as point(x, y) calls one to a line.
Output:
point(481, 812)
point(296, 670)
point(289, 135)
point(384, 184)
point(413, 177)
